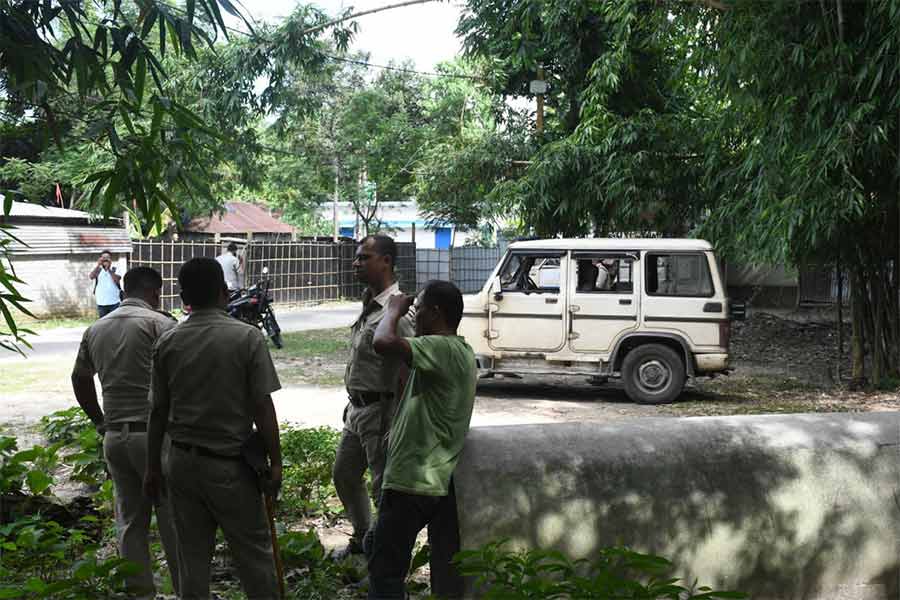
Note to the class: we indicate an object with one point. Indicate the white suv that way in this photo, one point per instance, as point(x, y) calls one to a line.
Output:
point(650, 311)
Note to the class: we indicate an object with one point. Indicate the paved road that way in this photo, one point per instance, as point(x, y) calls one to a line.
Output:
point(64, 342)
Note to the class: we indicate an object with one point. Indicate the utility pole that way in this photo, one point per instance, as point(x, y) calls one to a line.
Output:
point(334, 202)
point(539, 88)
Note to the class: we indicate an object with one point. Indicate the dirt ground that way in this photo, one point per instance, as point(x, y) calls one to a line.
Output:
point(781, 364)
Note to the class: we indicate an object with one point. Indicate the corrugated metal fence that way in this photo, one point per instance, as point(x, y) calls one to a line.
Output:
point(818, 285)
point(471, 267)
point(467, 267)
point(301, 273)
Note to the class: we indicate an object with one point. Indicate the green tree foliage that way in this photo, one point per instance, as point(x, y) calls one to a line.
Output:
point(365, 134)
point(620, 148)
point(474, 139)
point(803, 160)
point(96, 78)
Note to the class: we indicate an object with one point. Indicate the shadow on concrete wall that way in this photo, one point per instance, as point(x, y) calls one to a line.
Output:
point(780, 507)
point(73, 295)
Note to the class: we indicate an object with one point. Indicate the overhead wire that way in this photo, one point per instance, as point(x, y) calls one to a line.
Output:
point(332, 57)
point(356, 61)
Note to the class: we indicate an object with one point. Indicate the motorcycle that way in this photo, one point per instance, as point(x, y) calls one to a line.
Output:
point(254, 306)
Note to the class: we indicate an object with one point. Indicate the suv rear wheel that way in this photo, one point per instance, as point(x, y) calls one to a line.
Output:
point(653, 374)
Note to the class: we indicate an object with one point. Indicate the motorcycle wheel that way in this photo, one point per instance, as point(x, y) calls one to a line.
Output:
point(273, 330)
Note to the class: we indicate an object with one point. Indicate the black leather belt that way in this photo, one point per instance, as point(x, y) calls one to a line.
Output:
point(133, 426)
point(360, 398)
point(201, 451)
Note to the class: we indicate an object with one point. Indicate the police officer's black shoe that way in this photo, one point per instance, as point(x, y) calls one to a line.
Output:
point(354, 546)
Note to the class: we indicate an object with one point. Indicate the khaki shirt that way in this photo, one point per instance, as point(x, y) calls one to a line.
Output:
point(368, 371)
point(119, 348)
point(213, 370)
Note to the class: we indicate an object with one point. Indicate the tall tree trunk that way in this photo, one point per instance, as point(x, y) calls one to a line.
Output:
point(840, 318)
point(877, 330)
point(895, 301)
point(857, 340)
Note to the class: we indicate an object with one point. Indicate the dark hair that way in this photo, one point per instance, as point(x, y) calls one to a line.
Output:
point(447, 298)
point(232, 247)
point(142, 279)
point(201, 280)
point(106, 252)
point(587, 273)
point(384, 245)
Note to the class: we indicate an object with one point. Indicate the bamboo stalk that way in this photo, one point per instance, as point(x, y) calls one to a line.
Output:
point(840, 317)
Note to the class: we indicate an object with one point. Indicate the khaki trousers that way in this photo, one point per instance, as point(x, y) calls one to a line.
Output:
point(126, 459)
point(207, 493)
point(362, 445)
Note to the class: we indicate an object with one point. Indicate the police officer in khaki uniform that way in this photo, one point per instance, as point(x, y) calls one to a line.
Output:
point(119, 348)
point(372, 383)
point(212, 380)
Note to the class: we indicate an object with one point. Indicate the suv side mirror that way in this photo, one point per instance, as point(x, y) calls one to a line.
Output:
point(496, 289)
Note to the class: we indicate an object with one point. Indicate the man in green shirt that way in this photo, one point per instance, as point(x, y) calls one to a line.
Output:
point(425, 442)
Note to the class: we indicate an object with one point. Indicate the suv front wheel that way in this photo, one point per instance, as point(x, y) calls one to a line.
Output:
point(653, 374)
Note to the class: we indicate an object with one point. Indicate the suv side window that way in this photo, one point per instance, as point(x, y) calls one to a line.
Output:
point(531, 273)
point(679, 275)
point(597, 273)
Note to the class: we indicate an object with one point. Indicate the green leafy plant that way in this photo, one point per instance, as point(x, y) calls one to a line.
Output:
point(309, 571)
point(421, 557)
point(83, 445)
point(26, 469)
point(42, 559)
point(616, 573)
point(89, 465)
point(65, 425)
point(308, 456)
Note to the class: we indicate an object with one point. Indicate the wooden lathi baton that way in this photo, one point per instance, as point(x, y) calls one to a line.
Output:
point(254, 453)
point(276, 551)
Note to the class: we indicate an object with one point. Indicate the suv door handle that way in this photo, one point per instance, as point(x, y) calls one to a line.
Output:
point(625, 301)
point(550, 300)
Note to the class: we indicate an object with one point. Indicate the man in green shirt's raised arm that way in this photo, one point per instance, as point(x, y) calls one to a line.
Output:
point(425, 442)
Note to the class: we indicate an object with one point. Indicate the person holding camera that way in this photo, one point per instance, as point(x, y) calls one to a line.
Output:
point(107, 289)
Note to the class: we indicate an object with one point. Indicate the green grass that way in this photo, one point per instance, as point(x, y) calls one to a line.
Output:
point(315, 357)
point(319, 342)
point(39, 325)
point(308, 357)
point(36, 376)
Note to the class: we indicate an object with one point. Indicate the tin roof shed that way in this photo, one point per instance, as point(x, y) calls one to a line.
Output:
point(50, 230)
point(240, 217)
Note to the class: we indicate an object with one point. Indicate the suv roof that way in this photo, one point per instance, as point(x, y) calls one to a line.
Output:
point(612, 244)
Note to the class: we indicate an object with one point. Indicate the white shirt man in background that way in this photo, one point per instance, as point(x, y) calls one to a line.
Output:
point(231, 266)
point(107, 289)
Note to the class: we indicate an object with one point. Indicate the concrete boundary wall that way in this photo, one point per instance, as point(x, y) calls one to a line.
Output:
point(780, 506)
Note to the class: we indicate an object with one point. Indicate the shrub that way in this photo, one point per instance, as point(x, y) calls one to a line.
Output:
point(26, 468)
point(83, 446)
point(311, 574)
point(65, 425)
point(42, 559)
point(542, 574)
point(308, 456)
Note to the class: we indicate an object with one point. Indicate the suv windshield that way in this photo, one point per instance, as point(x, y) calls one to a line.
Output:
point(530, 273)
